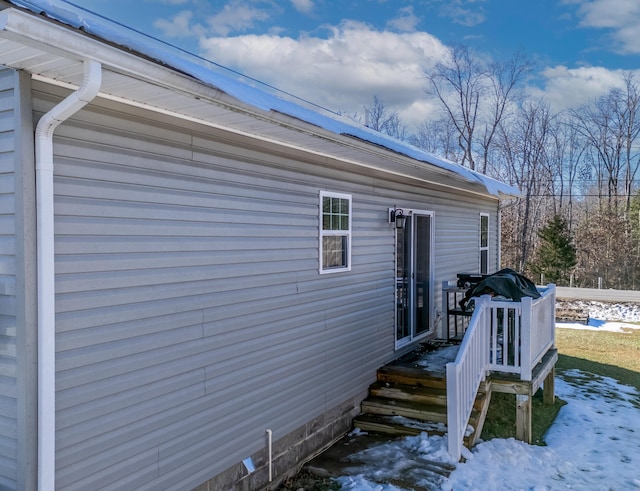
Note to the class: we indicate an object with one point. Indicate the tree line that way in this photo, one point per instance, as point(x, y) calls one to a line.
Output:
point(577, 220)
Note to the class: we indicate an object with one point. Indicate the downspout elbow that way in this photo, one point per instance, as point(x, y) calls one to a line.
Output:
point(88, 90)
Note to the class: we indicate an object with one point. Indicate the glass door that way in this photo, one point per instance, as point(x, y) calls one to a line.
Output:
point(414, 277)
point(403, 283)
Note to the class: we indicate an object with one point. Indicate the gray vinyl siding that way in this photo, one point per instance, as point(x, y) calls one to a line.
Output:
point(17, 310)
point(190, 313)
point(8, 359)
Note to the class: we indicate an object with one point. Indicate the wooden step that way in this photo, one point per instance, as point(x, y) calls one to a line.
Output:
point(401, 392)
point(423, 412)
point(397, 425)
point(417, 377)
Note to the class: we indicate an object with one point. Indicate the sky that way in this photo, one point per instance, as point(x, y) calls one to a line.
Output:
point(593, 443)
point(339, 54)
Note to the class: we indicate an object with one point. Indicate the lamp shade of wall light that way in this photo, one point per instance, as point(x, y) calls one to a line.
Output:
point(397, 216)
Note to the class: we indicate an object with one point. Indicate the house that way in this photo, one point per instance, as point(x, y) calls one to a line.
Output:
point(200, 278)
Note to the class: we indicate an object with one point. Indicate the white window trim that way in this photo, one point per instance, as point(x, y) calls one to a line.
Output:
point(324, 233)
point(480, 247)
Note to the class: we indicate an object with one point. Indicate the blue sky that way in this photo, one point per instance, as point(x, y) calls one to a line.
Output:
point(339, 53)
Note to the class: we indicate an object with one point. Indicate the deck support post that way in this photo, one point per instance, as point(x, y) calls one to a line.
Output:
point(523, 417)
point(549, 388)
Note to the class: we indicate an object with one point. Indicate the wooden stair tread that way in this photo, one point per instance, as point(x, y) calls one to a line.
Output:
point(397, 425)
point(412, 376)
point(395, 391)
point(424, 412)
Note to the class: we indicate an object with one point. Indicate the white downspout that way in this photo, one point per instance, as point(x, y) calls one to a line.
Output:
point(46, 273)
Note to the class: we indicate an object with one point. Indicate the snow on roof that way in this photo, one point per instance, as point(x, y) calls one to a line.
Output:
point(211, 74)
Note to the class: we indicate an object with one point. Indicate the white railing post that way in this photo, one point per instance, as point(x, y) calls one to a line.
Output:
point(454, 443)
point(552, 298)
point(526, 338)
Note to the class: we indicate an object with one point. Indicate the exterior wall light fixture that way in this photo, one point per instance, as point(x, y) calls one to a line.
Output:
point(397, 216)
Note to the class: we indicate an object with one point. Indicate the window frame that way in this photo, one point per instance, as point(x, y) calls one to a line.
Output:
point(483, 248)
point(334, 233)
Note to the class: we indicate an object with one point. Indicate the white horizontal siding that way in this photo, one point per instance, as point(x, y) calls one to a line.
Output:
point(190, 312)
point(8, 356)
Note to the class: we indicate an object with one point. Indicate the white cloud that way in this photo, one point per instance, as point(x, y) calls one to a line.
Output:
point(608, 13)
point(571, 87)
point(405, 21)
point(468, 13)
point(341, 72)
point(619, 17)
point(236, 16)
point(178, 26)
point(304, 6)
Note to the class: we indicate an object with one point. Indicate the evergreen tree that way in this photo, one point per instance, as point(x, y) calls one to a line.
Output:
point(556, 254)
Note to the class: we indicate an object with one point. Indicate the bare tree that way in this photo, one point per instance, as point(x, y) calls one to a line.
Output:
point(570, 149)
point(438, 136)
point(600, 239)
point(524, 150)
point(475, 95)
point(504, 77)
point(630, 122)
point(458, 86)
point(380, 118)
point(610, 126)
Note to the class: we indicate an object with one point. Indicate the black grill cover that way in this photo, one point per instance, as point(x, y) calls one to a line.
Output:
point(506, 283)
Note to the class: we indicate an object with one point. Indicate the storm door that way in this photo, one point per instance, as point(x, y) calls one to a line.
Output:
point(414, 277)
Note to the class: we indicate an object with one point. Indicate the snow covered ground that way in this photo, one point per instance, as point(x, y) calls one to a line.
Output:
point(594, 444)
point(606, 317)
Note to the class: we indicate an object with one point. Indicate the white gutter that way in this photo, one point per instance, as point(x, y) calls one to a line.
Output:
point(46, 272)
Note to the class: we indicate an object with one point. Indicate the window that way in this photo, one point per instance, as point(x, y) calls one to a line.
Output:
point(335, 232)
point(484, 243)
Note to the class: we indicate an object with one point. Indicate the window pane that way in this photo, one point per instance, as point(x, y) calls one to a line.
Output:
point(484, 231)
point(484, 260)
point(334, 251)
point(344, 222)
point(326, 204)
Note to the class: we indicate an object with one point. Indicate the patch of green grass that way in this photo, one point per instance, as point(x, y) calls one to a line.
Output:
point(501, 417)
point(610, 354)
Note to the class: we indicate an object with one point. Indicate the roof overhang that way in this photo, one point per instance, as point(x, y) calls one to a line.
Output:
point(54, 53)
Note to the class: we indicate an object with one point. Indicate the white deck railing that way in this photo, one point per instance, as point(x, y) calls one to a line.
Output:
point(502, 336)
point(465, 374)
